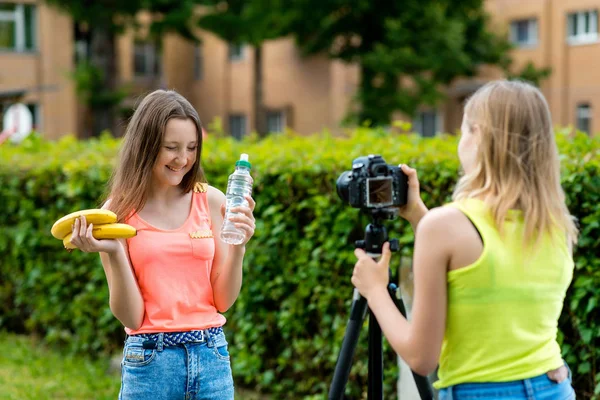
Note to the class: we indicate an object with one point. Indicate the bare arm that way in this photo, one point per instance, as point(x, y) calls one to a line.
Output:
point(126, 302)
point(226, 273)
point(419, 341)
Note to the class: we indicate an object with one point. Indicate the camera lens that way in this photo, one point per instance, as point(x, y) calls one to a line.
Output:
point(342, 186)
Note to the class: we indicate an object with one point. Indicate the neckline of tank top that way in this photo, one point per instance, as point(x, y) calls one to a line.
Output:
point(185, 223)
point(513, 212)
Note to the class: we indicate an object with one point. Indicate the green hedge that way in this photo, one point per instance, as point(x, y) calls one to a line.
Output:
point(287, 326)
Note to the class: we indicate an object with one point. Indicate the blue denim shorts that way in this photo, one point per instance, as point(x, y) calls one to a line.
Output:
point(198, 370)
point(537, 388)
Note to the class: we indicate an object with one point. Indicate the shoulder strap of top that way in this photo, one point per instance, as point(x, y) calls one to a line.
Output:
point(200, 197)
point(477, 212)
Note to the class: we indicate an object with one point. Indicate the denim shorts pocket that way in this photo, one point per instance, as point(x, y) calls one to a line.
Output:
point(135, 355)
point(222, 352)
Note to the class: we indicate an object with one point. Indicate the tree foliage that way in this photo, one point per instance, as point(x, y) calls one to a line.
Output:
point(407, 50)
point(96, 76)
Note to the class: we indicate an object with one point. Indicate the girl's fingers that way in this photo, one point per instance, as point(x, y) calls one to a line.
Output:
point(245, 211)
point(243, 219)
point(75, 229)
point(411, 173)
point(247, 228)
point(251, 202)
point(82, 227)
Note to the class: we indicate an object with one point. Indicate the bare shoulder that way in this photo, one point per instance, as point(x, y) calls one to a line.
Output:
point(442, 219)
point(440, 229)
point(213, 192)
point(215, 197)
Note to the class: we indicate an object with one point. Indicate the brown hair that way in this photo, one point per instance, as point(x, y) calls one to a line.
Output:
point(128, 186)
point(517, 162)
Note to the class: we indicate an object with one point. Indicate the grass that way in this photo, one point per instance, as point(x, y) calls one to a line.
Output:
point(29, 370)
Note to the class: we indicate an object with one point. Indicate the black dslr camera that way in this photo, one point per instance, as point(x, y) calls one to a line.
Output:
point(372, 185)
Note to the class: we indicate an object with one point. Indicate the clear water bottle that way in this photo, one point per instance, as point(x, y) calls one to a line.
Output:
point(239, 185)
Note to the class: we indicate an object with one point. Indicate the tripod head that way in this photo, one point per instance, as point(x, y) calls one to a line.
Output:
point(376, 235)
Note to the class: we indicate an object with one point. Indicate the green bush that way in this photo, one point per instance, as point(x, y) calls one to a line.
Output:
point(287, 326)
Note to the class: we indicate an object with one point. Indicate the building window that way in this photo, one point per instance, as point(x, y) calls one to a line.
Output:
point(584, 118)
point(146, 59)
point(276, 121)
point(198, 62)
point(427, 123)
point(582, 26)
point(82, 39)
point(236, 52)
point(237, 126)
point(36, 117)
point(524, 32)
point(17, 27)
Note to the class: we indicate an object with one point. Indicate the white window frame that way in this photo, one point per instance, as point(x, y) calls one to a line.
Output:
point(242, 130)
point(18, 17)
point(237, 52)
point(584, 116)
point(532, 32)
point(586, 28)
point(280, 121)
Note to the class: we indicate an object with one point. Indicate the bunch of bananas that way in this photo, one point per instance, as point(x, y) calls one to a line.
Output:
point(104, 221)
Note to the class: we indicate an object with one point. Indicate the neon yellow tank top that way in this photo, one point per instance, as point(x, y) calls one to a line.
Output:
point(503, 309)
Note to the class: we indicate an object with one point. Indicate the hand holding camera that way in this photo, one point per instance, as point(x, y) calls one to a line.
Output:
point(414, 209)
point(382, 189)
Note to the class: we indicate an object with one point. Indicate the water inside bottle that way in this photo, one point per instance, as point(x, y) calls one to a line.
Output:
point(239, 185)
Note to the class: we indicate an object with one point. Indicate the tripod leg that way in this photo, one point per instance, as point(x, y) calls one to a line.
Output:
point(342, 369)
point(375, 360)
point(423, 385)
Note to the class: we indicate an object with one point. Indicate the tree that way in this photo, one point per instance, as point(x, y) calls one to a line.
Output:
point(105, 19)
point(407, 50)
point(249, 22)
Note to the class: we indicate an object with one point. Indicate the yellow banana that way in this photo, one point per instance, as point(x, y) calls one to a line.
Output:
point(105, 231)
point(94, 216)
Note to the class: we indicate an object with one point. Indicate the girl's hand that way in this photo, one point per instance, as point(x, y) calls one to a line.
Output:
point(370, 276)
point(83, 239)
point(243, 218)
point(414, 209)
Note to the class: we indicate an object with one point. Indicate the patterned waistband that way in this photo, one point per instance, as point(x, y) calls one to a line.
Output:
point(175, 338)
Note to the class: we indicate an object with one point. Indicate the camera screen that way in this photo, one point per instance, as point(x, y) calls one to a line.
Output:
point(379, 192)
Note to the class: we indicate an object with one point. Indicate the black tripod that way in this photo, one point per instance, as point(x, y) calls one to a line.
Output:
point(375, 237)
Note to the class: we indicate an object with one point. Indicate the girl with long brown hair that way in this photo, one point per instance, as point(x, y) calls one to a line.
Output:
point(170, 284)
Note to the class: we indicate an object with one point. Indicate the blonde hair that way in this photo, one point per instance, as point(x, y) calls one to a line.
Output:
point(517, 164)
point(129, 184)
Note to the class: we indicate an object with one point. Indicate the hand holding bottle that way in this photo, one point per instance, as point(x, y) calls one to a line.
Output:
point(243, 219)
point(238, 220)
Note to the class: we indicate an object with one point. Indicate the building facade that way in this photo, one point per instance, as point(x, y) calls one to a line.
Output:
point(306, 94)
point(561, 35)
point(36, 58)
